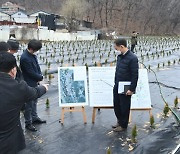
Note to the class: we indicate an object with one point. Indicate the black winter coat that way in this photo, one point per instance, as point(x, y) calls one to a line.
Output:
point(13, 95)
point(30, 69)
point(19, 75)
point(127, 69)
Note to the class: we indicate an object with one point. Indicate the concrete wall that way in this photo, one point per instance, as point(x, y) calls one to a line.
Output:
point(4, 16)
point(4, 33)
point(26, 34)
point(48, 35)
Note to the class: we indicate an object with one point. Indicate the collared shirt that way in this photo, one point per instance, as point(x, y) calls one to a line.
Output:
point(125, 52)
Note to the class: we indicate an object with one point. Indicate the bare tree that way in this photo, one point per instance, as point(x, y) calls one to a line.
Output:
point(146, 16)
point(74, 11)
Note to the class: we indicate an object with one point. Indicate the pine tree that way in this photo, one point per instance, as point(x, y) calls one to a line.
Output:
point(134, 134)
point(169, 63)
point(45, 73)
point(158, 66)
point(109, 150)
point(86, 66)
point(95, 64)
point(49, 64)
point(152, 121)
point(163, 65)
point(47, 103)
point(149, 67)
point(50, 77)
point(174, 62)
point(176, 102)
point(166, 110)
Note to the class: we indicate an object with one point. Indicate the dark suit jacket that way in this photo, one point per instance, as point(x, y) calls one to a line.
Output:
point(30, 69)
point(19, 75)
point(127, 69)
point(13, 94)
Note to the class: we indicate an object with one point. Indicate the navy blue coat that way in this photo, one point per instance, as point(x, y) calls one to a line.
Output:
point(30, 69)
point(127, 69)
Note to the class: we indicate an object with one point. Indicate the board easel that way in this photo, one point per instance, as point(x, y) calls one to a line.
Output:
point(130, 114)
point(72, 109)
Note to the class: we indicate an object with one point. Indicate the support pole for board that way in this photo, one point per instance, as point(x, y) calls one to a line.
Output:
point(73, 109)
point(98, 65)
point(93, 115)
point(145, 109)
point(130, 114)
point(94, 112)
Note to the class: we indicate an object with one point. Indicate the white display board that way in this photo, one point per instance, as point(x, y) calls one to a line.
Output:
point(72, 83)
point(101, 81)
point(142, 98)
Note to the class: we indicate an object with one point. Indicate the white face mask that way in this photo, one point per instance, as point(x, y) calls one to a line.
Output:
point(15, 54)
point(36, 53)
point(117, 52)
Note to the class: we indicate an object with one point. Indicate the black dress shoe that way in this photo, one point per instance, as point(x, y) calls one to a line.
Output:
point(116, 125)
point(31, 128)
point(39, 121)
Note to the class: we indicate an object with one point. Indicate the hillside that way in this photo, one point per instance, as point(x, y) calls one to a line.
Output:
point(145, 16)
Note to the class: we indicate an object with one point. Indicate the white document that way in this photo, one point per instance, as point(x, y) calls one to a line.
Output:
point(121, 86)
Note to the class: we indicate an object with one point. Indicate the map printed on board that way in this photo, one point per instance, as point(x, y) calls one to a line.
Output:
point(72, 86)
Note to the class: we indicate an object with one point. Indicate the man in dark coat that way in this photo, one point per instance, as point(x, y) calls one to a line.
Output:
point(13, 48)
point(133, 40)
point(126, 70)
point(13, 94)
point(32, 75)
point(4, 46)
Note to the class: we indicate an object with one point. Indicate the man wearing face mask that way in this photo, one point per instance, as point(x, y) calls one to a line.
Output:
point(13, 46)
point(32, 75)
point(13, 94)
point(126, 70)
point(13, 49)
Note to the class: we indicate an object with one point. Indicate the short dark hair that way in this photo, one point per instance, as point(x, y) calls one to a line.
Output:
point(35, 45)
point(4, 46)
point(13, 44)
point(120, 42)
point(7, 62)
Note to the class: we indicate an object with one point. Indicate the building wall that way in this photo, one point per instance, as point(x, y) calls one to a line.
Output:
point(4, 16)
point(37, 13)
point(10, 8)
point(19, 15)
